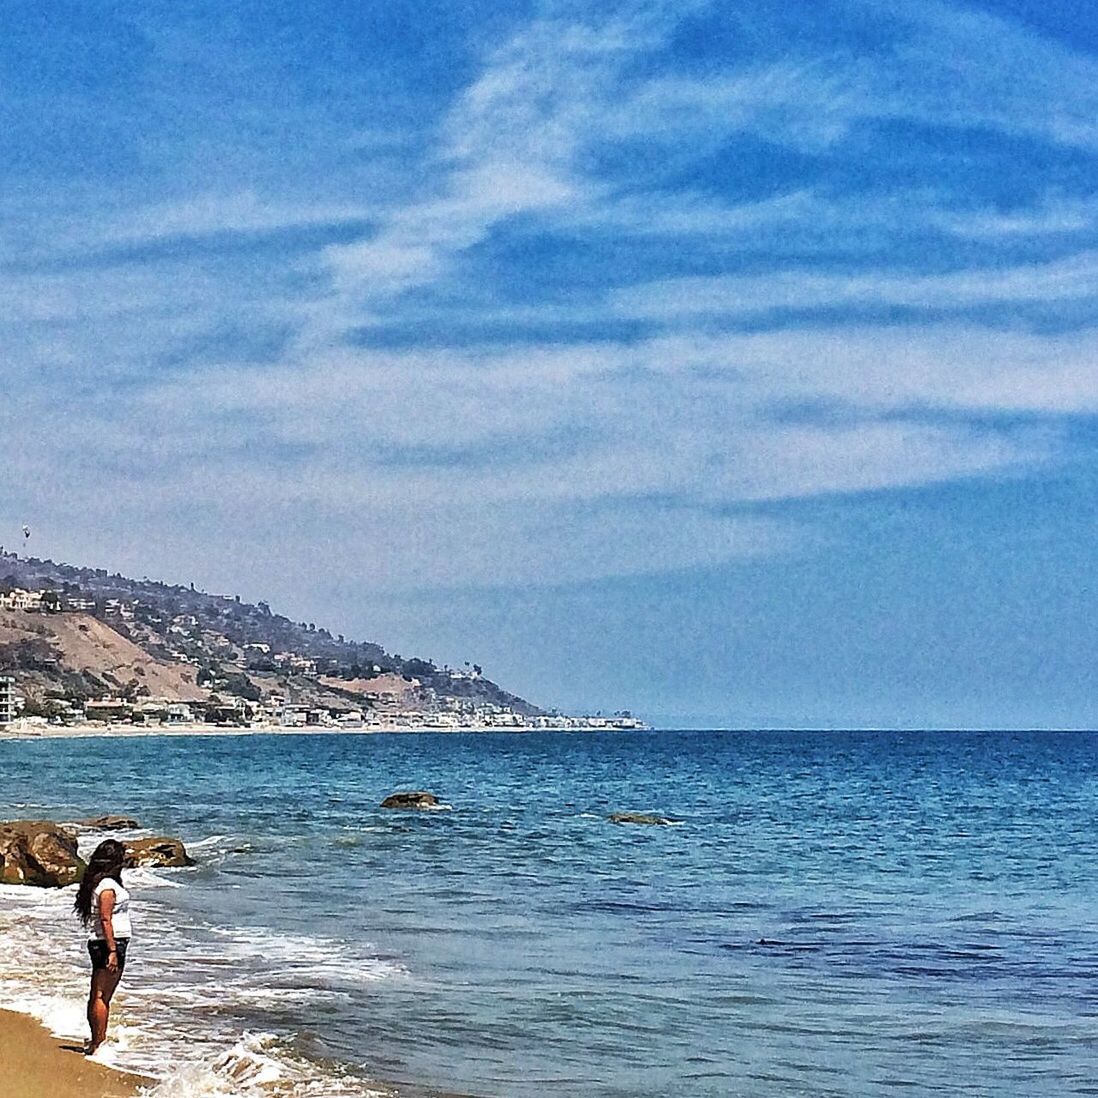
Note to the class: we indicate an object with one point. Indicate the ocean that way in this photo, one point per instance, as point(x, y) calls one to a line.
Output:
point(829, 913)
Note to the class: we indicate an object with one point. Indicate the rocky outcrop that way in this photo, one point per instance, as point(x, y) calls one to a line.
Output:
point(418, 799)
point(639, 818)
point(38, 852)
point(159, 852)
point(42, 853)
point(108, 823)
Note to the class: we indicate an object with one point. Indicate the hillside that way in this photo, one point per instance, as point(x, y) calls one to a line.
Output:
point(84, 657)
point(106, 635)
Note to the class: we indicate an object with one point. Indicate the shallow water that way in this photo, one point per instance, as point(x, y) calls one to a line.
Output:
point(836, 914)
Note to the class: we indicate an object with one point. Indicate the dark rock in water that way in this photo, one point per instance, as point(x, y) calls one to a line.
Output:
point(109, 823)
point(38, 852)
point(410, 800)
point(159, 852)
point(638, 818)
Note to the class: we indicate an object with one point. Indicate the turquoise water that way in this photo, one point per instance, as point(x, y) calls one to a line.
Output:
point(836, 914)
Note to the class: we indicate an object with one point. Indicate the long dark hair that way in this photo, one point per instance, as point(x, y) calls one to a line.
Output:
point(106, 861)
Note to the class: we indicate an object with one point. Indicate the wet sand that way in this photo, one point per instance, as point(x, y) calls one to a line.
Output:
point(35, 1064)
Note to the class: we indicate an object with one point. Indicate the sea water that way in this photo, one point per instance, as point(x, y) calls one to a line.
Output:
point(828, 914)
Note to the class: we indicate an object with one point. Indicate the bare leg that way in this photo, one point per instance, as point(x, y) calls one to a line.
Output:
point(103, 983)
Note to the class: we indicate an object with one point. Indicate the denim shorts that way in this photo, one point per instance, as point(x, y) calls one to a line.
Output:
point(98, 951)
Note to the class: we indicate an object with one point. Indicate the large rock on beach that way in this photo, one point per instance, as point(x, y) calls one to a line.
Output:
point(418, 799)
point(108, 823)
point(639, 818)
point(38, 852)
point(159, 852)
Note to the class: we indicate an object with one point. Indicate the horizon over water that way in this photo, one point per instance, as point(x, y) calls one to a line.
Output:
point(833, 914)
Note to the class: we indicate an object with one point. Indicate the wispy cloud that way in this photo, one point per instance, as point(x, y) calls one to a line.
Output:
point(507, 148)
point(945, 66)
point(1051, 216)
point(773, 310)
point(1073, 279)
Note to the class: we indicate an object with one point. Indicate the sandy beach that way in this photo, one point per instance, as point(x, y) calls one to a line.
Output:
point(35, 1064)
point(19, 731)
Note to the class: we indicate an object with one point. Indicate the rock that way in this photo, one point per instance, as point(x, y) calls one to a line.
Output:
point(109, 823)
point(639, 818)
point(38, 852)
point(160, 852)
point(418, 799)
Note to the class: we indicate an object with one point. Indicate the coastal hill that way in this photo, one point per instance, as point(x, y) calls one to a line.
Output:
point(85, 640)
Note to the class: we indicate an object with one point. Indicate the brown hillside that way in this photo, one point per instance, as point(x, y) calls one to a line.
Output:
point(379, 684)
point(85, 643)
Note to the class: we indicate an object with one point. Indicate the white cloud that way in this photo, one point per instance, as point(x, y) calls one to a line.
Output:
point(700, 419)
point(968, 68)
point(946, 66)
point(1055, 215)
point(210, 214)
point(551, 461)
point(809, 103)
point(898, 369)
point(1073, 279)
point(797, 462)
point(508, 147)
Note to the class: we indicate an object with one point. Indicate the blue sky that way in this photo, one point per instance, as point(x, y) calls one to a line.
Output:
point(735, 363)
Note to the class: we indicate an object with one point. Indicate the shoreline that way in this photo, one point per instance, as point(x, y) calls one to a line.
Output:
point(128, 731)
point(36, 1064)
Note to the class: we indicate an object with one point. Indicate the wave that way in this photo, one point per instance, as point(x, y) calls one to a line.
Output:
point(315, 958)
point(185, 1015)
point(210, 840)
point(256, 1066)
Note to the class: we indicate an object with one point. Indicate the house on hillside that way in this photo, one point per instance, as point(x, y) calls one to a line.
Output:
point(118, 608)
point(296, 664)
point(17, 599)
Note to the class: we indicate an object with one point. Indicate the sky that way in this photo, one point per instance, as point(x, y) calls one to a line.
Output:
point(734, 364)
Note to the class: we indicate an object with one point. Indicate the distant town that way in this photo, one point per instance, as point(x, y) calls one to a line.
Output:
point(96, 655)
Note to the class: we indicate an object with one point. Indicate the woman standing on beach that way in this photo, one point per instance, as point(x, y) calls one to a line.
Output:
point(103, 906)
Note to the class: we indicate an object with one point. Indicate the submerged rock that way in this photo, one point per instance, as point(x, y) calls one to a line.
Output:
point(38, 852)
point(109, 823)
point(419, 799)
point(158, 852)
point(639, 818)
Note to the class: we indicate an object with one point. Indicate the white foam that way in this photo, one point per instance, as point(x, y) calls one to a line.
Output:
point(62, 1015)
point(87, 841)
point(255, 1067)
point(143, 877)
point(182, 1023)
point(321, 959)
point(211, 840)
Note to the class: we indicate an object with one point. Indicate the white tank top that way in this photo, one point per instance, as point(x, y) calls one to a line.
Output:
point(120, 916)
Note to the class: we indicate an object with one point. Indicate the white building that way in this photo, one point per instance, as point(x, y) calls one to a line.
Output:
point(7, 699)
point(21, 600)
